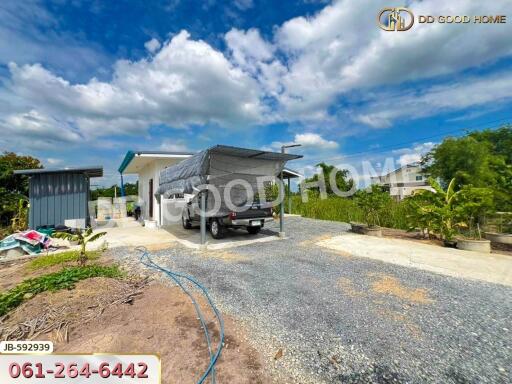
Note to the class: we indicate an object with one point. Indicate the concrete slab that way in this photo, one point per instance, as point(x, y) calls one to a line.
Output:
point(493, 268)
point(133, 237)
point(191, 238)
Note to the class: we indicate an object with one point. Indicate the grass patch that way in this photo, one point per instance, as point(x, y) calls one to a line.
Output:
point(59, 258)
point(335, 208)
point(65, 279)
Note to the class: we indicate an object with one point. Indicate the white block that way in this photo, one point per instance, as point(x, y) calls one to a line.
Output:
point(75, 223)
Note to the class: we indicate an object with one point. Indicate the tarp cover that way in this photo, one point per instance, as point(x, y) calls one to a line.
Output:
point(184, 176)
point(218, 169)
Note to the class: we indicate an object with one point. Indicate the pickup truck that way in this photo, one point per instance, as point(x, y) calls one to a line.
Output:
point(251, 217)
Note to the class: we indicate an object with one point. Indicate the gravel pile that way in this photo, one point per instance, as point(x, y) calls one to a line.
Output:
point(352, 320)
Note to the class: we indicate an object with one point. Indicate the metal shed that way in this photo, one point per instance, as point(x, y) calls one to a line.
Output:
point(57, 195)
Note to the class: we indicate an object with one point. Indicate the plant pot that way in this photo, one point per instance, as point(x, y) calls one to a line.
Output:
point(374, 231)
point(502, 238)
point(483, 246)
point(358, 228)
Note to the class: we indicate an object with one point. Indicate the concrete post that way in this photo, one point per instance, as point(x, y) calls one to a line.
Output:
point(203, 217)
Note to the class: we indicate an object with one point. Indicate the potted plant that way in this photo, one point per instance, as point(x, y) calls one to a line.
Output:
point(372, 203)
point(503, 229)
point(471, 205)
point(447, 213)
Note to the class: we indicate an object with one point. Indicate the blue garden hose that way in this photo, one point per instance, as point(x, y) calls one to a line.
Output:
point(148, 262)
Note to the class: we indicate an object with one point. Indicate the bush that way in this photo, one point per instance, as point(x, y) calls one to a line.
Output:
point(391, 215)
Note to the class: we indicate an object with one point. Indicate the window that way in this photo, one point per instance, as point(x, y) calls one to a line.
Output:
point(419, 178)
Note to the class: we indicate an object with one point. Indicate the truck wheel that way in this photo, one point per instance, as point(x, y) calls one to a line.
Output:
point(186, 223)
point(217, 229)
point(253, 230)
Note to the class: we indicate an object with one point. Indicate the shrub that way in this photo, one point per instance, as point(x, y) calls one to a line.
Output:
point(45, 261)
point(65, 279)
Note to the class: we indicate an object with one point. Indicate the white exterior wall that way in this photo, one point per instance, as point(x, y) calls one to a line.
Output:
point(406, 176)
point(152, 171)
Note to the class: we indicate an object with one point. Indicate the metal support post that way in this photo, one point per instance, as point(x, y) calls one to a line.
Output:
point(203, 217)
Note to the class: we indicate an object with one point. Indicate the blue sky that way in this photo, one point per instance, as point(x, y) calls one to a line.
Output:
point(83, 82)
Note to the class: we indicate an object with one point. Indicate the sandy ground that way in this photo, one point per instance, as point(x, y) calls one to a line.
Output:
point(493, 268)
point(100, 315)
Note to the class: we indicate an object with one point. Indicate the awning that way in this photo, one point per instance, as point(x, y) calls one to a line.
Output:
point(134, 161)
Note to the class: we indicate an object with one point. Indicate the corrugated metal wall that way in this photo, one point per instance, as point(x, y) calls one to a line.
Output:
point(55, 197)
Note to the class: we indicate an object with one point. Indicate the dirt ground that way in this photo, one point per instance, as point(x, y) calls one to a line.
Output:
point(123, 316)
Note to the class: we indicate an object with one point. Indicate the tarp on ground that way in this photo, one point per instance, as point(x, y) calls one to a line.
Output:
point(32, 242)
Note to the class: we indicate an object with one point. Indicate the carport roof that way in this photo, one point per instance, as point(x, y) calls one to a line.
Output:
point(127, 166)
point(92, 171)
point(253, 153)
point(147, 155)
point(290, 173)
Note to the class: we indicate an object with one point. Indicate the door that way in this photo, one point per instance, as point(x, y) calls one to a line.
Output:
point(150, 213)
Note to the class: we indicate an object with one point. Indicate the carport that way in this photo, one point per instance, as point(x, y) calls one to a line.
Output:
point(218, 166)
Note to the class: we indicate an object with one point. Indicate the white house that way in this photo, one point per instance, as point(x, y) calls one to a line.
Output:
point(404, 181)
point(147, 165)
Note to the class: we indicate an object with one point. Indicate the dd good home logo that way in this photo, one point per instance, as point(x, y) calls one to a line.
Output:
point(395, 19)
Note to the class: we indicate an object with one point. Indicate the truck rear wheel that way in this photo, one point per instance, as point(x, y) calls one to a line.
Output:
point(186, 222)
point(217, 230)
point(253, 230)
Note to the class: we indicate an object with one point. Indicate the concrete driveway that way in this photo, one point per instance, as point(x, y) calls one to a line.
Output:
point(338, 317)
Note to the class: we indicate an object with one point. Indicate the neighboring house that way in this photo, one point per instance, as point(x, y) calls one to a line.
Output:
point(147, 165)
point(404, 181)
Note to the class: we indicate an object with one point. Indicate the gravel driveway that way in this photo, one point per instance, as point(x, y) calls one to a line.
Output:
point(353, 320)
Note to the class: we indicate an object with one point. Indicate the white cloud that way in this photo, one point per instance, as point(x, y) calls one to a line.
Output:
point(30, 33)
point(335, 52)
point(53, 161)
point(36, 126)
point(152, 45)
point(299, 74)
point(174, 146)
point(413, 154)
point(187, 82)
point(248, 46)
point(315, 140)
point(381, 109)
point(306, 140)
point(243, 5)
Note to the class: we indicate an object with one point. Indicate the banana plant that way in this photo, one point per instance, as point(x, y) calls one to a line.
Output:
point(444, 211)
point(82, 238)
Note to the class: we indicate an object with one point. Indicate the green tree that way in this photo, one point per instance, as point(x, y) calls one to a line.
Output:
point(500, 140)
point(130, 189)
point(13, 187)
point(481, 159)
point(343, 183)
point(464, 159)
point(373, 204)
